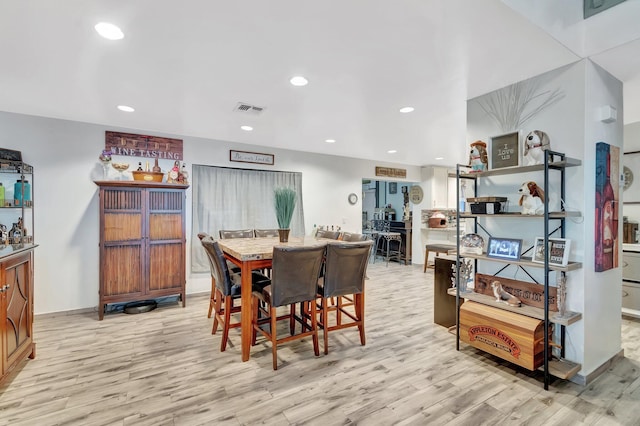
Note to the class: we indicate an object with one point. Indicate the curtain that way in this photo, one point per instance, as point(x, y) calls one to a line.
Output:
point(226, 198)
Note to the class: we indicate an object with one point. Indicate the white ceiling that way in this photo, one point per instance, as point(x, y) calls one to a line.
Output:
point(185, 64)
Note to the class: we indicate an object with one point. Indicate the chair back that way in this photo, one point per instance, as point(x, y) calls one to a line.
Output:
point(294, 274)
point(218, 264)
point(238, 233)
point(203, 235)
point(332, 235)
point(348, 236)
point(345, 267)
point(266, 232)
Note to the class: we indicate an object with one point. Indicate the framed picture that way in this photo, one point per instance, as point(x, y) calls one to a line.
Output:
point(559, 249)
point(504, 151)
point(393, 187)
point(631, 186)
point(504, 248)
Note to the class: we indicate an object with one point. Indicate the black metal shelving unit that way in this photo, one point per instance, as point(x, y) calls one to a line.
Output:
point(552, 161)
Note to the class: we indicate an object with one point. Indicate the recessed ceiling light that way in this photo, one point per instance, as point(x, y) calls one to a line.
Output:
point(109, 31)
point(299, 81)
point(392, 151)
point(439, 158)
point(407, 109)
point(330, 140)
point(125, 108)
point(246, 128)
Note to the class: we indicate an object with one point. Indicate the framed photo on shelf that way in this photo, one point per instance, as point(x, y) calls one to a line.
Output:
point(504, 150)
point(559, 249)
point(504, 248)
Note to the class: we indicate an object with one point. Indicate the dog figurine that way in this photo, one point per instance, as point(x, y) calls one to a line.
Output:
point(535, 143)
point(478, 158)
point(531, 198)
point(504, 296)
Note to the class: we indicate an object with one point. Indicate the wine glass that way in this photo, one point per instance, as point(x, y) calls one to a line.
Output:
point(121, 167)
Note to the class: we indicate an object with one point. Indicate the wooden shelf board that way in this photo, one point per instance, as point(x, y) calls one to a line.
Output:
point(552, 215)
point(525, 310)
point(525, 261)
point(568, 162)
point(562, 368)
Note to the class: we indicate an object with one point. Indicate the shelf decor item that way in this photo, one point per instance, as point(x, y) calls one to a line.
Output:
point(478, 158)
point(558, 251)
point(505, 150)
point(504, 248)
point(285, 203)
point(471, 244)
point(105, 159)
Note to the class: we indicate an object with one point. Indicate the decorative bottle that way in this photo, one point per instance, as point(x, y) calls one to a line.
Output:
point(1, 195)
point(140, 166)
point(156, 167)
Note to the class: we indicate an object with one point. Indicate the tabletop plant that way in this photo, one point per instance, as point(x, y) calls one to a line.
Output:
point(285, 202)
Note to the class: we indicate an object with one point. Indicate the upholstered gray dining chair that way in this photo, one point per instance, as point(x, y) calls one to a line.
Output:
point(227, 289)
point(266, 233)
point(294, 279)
point(349, 236)
point(236, 233)
point(343, 283)
point(332, 235)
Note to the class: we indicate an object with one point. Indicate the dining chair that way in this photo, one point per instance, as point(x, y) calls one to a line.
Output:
point(294, 279)
point(212, 298)
point(227, 289)
point(236, 233)
point(266, 232)
point(348, 236)
point(332, 235)
point(341, 289)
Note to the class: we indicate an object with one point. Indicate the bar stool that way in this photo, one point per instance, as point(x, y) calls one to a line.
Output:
point(437, 249)
point(387, 238)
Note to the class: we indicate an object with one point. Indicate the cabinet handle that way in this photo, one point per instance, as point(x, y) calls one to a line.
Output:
point(625, 293)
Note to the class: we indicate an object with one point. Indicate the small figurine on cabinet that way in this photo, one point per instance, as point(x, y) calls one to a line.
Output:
point(174, 173)
point(4, 234)
point(478, 158)
point(504, 296)
point(535, 143)
point(531, 198)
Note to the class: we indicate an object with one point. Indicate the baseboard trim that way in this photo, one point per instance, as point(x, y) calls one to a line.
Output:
point(585, 380)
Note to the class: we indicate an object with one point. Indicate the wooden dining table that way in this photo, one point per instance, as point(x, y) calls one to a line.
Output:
point(256, 253)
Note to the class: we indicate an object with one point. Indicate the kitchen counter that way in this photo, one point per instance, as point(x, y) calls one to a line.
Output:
point(631, 247)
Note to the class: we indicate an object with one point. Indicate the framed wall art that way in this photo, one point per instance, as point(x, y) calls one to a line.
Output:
point(504, 151)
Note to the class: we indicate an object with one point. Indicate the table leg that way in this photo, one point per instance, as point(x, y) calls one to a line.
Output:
point(246, 310)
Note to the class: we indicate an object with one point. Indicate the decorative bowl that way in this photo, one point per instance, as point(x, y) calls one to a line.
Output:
point(147, 176)
point(121, 167)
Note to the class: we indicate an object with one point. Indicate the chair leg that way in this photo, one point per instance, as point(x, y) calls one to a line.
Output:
point(314, 326)
point(325, 327)
point(338, 310)
point(218, 309)
point(292, 319)
point(228, 306)
point(254, 322)
point(212, 299)
point(274, 344)
point(359, 307)
point(426, 259)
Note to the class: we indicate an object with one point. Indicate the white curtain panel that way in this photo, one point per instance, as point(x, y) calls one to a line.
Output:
point(227, 198)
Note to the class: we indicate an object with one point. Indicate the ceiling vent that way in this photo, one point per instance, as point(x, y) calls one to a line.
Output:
point(248, 108)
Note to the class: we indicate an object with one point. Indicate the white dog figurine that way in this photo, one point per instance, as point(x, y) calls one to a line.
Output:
point(531, 198)
point(478, 158)
point(504, 296)
point(535, 143)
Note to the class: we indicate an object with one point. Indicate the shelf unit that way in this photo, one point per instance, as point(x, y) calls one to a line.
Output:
point(10, 173)
point(556, 161)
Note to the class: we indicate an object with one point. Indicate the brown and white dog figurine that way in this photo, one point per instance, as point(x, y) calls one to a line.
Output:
point(535, 143)
point(504, 296)
point(531, 198)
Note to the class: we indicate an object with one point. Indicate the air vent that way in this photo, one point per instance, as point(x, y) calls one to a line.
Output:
point(248, 108)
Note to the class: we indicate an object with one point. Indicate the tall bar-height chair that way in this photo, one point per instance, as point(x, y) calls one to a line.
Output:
point(343, 282)
point(227, 288)
point(260, 233)
point(332, 235)
point(236, 233)
point(212, 298)
point(294, 279)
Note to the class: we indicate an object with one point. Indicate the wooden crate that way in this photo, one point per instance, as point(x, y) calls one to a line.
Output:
point(513, 337)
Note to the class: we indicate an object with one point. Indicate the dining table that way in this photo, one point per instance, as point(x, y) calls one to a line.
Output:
point(256, 253)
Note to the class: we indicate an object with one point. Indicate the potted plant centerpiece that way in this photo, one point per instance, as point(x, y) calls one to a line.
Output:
point(285, 202)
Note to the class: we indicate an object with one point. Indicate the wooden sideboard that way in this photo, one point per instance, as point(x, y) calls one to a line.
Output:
point(142, 241)
point(16, 306)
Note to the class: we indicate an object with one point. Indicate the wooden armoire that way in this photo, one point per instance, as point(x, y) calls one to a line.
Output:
point(142, 241)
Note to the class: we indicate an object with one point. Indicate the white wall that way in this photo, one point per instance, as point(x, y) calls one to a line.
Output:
point(65, 158)
point(574, 128)
point(632, 143)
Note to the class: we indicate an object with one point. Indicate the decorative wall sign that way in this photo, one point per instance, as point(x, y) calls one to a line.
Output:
point(393, 187)
point(416, 194)
point(504, 248)
point(9, 155)
point(505, 151)
point(631, 161)
point(530, 294)
point(133, 145)
point(606, 208)
point(391, 172)
point(251, 157)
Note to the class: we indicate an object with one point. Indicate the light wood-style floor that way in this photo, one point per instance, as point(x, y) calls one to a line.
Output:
point(164, 368)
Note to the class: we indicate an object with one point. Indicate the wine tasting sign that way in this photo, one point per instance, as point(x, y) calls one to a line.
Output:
point(132, 145)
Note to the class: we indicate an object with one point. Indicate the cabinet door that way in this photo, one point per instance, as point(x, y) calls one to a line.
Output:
point(166, 239)
point(122, 251)
point(18, 319)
